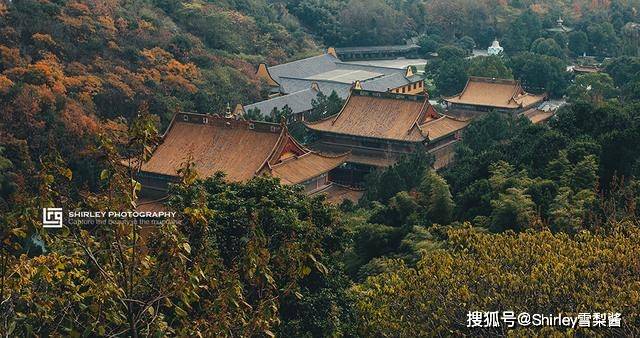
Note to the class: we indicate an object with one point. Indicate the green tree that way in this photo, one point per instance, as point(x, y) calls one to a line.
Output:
point(466, 43)
point(561, 39)
point(404, 175)
point(593, 87)
point(569, 209)
point(513, 208)
point(324, 106)
point(522, 31)
point(489, 66)
point(436, 199)
point(541, 72)
point(429, 44)
point(449, 72)
point(603, 39)
point(623, 70)
point(578, 42)
point(547, 47)
point(371, 23)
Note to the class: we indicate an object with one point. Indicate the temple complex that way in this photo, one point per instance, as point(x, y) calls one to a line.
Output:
point(240, 149)
point(295, 84)
point(379, 127)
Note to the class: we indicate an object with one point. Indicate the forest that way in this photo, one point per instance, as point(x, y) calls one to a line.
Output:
point(539, 218)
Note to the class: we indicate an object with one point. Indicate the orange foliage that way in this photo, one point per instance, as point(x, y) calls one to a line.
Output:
point(44, 38)
point(5, 84)
point(76, 121)
point(173, 75)
point(539, 8)
point(108, 25)
point(10, 57)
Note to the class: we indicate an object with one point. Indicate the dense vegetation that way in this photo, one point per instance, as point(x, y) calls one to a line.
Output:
point(532, 217)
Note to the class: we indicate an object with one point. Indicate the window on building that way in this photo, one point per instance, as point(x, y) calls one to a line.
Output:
point(205, 120)
point(404, 89)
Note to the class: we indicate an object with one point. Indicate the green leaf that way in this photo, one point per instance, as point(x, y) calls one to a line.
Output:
point(104, 174)
point(180, 312)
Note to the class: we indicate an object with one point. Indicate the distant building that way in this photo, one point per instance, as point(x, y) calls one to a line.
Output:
point(241, 149)
point(560, 27)
point(585, 69)
point(379, 127)
point(296, 83)
point(481, 95)
point(495, 48)
point(409, 50)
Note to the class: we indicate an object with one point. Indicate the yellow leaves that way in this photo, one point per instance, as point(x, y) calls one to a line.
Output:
point(45, 39)
point(523, 271)
point(10, 57)
point(76, 121)
point(186, 247)
point(5, 84)
point(108, 24)
point(169, 73)
point(305, 271)
point(156, 55)
point(145, 25)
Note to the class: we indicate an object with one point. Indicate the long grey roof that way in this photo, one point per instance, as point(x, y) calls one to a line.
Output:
point(376, 48)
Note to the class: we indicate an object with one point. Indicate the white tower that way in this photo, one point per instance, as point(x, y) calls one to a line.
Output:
point(495, 48)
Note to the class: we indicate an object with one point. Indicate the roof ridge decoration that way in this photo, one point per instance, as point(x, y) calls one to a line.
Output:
point(492, 80)
point(408, 72)
point(516, 90)
point(266, 163)
point(263, 70)
point(342, 108)
point(242, 121)
point(419, 117)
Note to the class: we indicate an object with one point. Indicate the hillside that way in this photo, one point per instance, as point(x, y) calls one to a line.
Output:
point(529, 217)
point(67, 67)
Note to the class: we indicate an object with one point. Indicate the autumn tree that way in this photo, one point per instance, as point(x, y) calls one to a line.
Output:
point(512, 272)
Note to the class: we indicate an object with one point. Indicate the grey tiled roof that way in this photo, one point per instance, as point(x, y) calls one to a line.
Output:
point(304, 68)
point(370, 68)
point(381, 84)
point(295, 79)
point(299, 101)
point(291, 85)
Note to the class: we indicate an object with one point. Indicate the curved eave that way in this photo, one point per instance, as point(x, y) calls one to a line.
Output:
point(336, 160)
